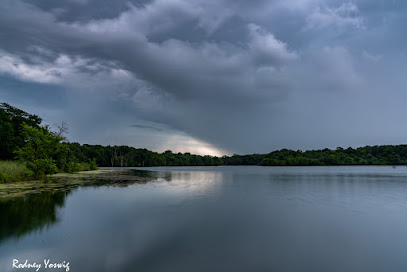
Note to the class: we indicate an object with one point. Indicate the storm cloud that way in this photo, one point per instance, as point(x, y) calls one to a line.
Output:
point(218, 77)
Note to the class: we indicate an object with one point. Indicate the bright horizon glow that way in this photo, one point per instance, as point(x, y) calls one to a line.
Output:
point(184, 144)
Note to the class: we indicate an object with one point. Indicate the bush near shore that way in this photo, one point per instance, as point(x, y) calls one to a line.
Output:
point(11, 171)
point(14, 171)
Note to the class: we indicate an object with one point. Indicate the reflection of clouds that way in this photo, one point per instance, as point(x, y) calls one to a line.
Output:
point(191, 182)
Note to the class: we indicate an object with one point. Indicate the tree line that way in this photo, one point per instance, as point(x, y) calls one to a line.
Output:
point(368, 155)
point(125, 156)
point(45, 151)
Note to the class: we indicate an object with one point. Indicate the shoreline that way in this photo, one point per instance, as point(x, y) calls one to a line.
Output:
point(70, 181)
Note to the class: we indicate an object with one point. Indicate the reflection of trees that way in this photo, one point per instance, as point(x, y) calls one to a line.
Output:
point(22, 215)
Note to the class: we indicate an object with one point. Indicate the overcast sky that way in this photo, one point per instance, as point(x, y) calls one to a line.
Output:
point(210, 76)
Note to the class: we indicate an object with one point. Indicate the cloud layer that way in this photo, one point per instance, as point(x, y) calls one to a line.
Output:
point(209, 76)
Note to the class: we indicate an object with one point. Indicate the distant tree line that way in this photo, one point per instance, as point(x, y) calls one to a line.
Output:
point(44, 151)
point(368, 155)
point(125, 156)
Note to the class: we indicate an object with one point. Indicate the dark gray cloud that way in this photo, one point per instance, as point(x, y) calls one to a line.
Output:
point(147, 127)
point(224, 75)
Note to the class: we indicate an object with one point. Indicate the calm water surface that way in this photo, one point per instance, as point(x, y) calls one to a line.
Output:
point(218, 219)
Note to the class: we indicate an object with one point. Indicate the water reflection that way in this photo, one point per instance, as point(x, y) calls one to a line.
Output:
point(22, 215)
point(39, 210)
point(223, 219)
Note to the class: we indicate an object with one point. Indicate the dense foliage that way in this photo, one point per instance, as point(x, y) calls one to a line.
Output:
point(43, 151)
point(122, 156)
point(38, 150)
point(11, 120)
point(368, 155)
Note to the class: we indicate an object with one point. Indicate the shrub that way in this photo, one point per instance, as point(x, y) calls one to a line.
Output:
point(42, 167)
point(39, 150)
point(14, 171)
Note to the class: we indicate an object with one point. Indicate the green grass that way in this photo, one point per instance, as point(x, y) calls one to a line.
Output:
point(14, 171)
point(18, 171)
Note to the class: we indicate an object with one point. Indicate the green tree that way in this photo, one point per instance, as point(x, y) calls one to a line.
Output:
point(40, 150)
point(11, 119)
point(6, 136)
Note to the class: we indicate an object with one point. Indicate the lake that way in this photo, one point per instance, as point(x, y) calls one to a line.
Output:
point(236, 218)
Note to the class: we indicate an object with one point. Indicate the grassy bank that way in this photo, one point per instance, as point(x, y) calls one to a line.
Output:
point(14, 171)
point(11, 171)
